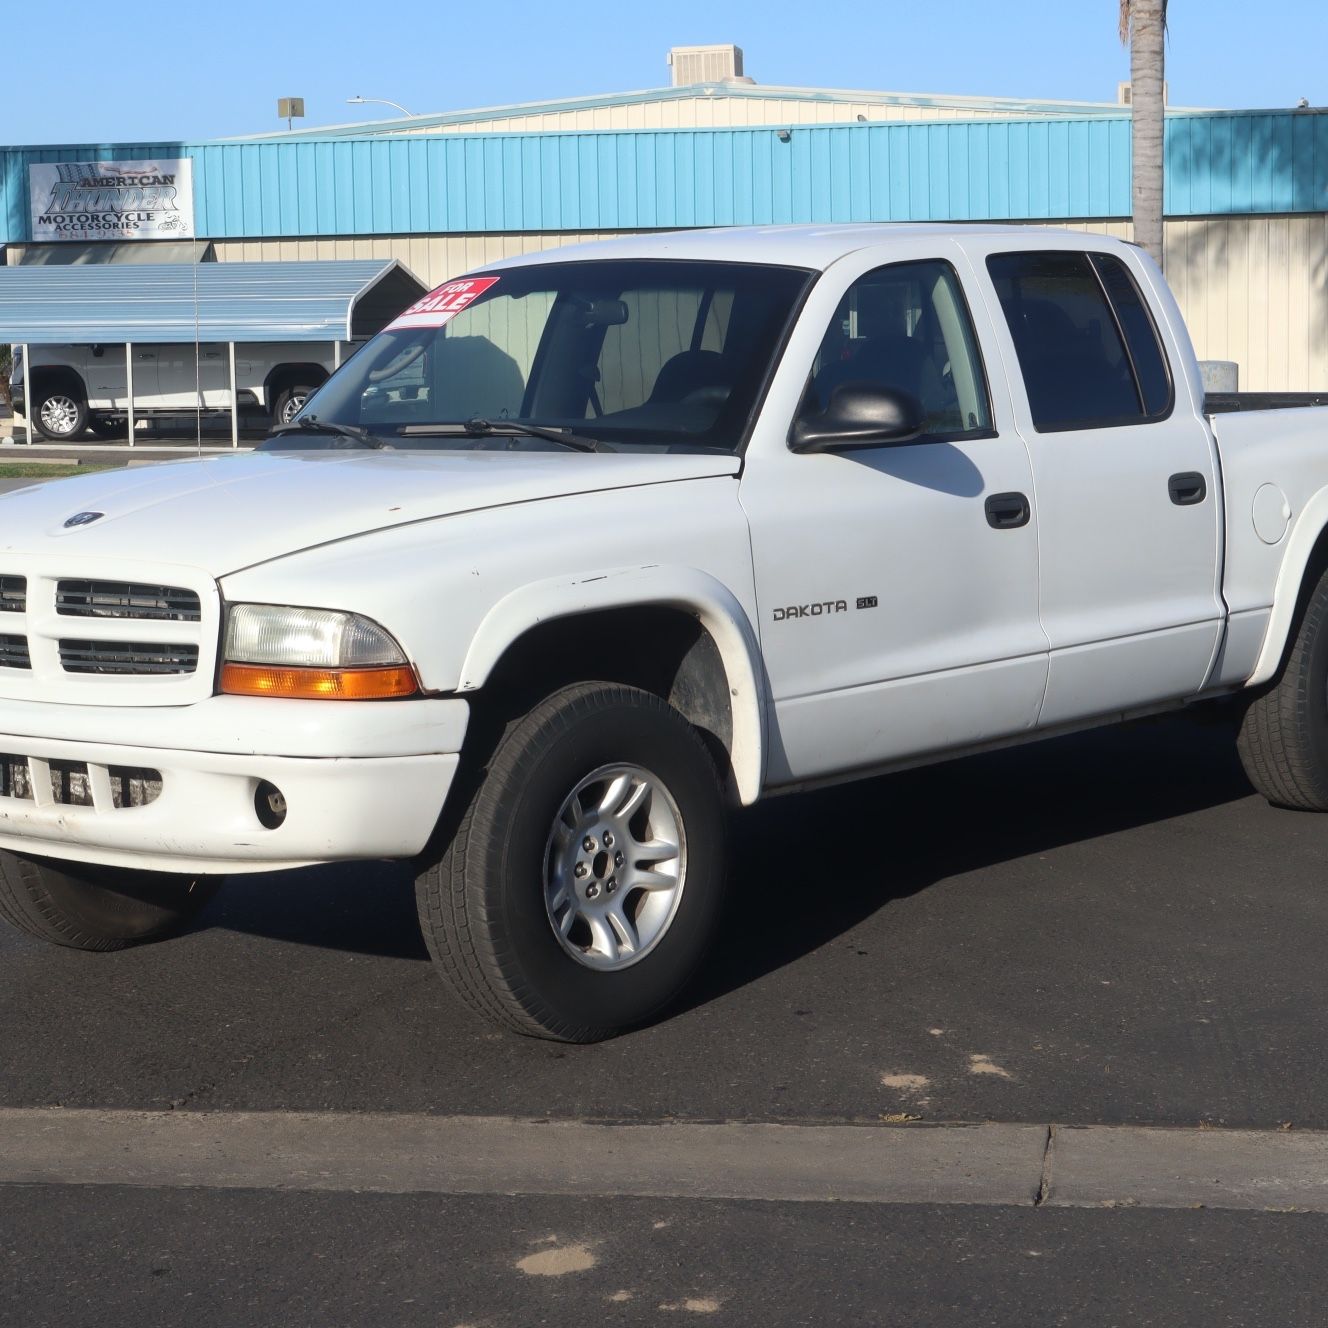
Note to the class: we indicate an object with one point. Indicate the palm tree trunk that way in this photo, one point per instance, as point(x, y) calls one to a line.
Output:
point(1147, 20)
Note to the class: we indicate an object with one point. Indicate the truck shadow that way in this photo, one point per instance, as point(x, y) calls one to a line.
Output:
point(809, 867)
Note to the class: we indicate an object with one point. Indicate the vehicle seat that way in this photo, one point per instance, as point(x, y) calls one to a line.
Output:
point(693, 375)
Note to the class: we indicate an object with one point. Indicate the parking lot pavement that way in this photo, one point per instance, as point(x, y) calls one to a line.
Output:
point(1104, 928)
point(142, 1257)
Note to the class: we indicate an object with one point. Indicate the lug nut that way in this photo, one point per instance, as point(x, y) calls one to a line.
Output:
point(580, 869)
point(611, 884)
point(588, 844)
point(592, 890)
point(618, 859)
point(608, 839)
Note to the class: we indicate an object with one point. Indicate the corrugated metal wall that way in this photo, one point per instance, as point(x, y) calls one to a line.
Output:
point(1236, 163)
point(1252, 289)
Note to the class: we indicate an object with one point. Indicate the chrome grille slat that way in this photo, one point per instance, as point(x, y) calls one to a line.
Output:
point(14, 652)
point(126, 657)
point(132, 600)
point(13, 594)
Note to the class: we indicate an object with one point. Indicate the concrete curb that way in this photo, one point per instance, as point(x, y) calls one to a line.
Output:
point(1010, 1165)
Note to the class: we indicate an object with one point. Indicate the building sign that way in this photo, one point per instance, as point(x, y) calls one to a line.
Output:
point(112, 200)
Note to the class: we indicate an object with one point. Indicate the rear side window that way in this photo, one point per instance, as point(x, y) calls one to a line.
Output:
point(1089, 359)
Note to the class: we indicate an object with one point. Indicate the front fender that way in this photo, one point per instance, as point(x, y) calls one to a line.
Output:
point(676, 587)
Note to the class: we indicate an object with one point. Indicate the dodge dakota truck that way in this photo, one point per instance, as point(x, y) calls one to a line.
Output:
point(586, 548)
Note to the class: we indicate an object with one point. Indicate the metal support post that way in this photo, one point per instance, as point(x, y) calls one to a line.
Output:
point(129, 388)
point(235, 401)
point(336, 355)
point(27, 389)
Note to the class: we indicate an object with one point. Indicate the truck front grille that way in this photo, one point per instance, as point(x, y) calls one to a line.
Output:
point(14, 652)
point(127, 599)
point(78, 784)
point(77, 630)
point(126, 657)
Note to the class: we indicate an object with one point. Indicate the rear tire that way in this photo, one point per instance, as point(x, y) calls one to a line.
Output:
point(96, 908)
point(290, 402)
point(585, 881)
point(1283, 741)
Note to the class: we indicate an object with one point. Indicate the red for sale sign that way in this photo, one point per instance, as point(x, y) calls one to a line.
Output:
point(442, 305)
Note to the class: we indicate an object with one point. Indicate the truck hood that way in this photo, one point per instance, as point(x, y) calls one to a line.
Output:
point(226, 513)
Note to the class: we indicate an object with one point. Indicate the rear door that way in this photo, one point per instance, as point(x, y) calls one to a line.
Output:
point(1125, 475)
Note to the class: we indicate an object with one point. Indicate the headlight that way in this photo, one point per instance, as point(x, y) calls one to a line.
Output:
point(273, 650)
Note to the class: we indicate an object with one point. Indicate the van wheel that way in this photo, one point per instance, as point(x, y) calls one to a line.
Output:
point(60, 414)
point(290, 402)
point(584, 883)
point(1283, 741)
point(96, 908)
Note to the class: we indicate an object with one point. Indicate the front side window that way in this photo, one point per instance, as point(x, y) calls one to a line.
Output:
point(1078, 370)
point(907, 327)
point(630, 353)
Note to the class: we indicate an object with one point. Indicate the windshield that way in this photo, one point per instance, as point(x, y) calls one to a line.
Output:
point(628, 354)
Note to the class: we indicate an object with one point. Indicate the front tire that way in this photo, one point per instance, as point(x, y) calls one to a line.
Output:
point(585, 881)
point(96, 908)
point(61, 414)
point(1283, 741)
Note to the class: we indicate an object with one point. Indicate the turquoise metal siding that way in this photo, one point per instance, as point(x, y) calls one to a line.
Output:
point(1044, 169)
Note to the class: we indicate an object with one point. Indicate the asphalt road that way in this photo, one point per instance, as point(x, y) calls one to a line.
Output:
point(1104, 928)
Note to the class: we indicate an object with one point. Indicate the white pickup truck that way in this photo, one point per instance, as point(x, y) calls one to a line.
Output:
point(585, 547)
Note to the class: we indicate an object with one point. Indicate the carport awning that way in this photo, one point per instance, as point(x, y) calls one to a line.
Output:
point(204, 302)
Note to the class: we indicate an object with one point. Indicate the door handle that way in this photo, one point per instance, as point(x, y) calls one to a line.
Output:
point(1007, 511)
point(1187, 488)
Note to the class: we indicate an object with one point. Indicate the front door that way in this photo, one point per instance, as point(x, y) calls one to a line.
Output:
point(897, 585)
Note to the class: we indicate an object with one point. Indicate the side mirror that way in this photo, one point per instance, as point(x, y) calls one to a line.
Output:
point(860, 415)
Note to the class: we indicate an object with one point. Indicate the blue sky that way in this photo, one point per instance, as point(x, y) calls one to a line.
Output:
point(91, 72)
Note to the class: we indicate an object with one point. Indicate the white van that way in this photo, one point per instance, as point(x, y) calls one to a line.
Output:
point(80, 387)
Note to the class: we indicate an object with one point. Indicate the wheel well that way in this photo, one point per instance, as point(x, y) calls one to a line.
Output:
point(53, 377)
point(1315, 567)
point(661, 650)
point(291, 375)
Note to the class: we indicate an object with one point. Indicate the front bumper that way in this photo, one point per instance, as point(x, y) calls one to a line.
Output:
point(359, 780)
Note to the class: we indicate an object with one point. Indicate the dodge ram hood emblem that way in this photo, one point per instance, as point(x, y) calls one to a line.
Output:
point(83, 519)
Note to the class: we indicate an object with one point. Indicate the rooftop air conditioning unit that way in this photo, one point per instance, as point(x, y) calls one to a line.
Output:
point(705, 64)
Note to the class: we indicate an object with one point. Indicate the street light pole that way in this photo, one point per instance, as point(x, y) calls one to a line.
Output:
point(379, 101)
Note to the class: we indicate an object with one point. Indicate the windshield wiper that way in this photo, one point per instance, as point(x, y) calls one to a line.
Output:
point(478, 428)
point(312, 424)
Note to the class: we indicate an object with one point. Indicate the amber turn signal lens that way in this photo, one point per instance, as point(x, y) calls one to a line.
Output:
point(318, 684)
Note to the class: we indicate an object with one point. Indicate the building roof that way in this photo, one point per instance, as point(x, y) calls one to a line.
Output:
point(740, 91)
point(204, 302)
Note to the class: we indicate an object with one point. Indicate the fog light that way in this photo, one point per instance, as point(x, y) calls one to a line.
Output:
point(270, 805)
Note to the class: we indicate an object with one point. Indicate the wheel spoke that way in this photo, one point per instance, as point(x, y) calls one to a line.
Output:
point(620, 922)
point(654, 850)
point(604, 940)
point(620, 787)
point(651, 880)
point(567, 919)
point(639, 795)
